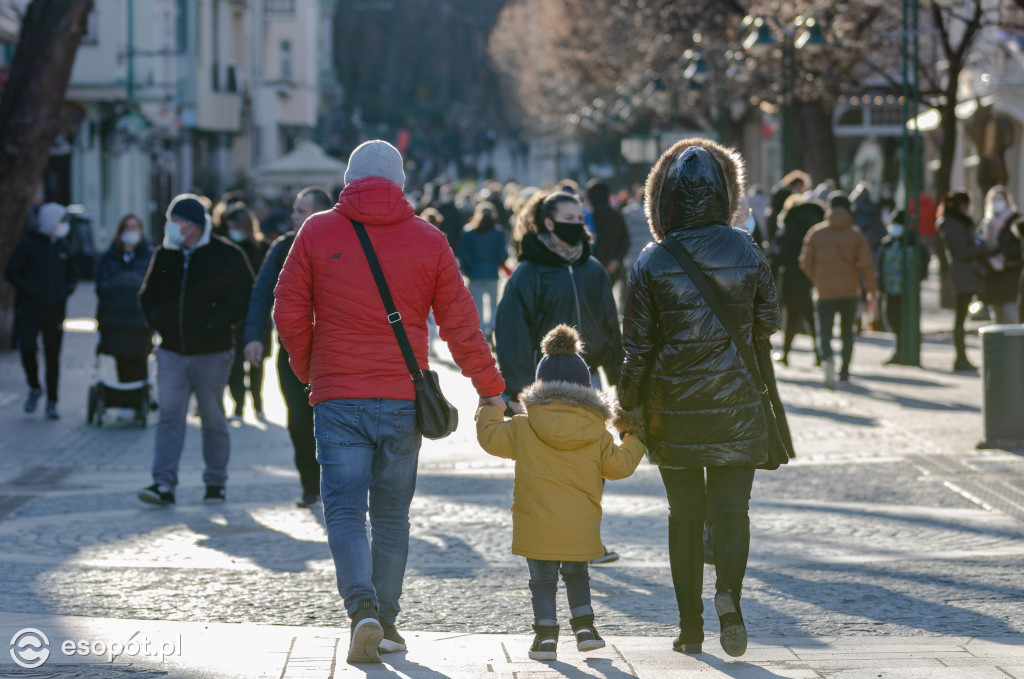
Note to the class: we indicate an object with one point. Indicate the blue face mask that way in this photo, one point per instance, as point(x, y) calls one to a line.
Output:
point(173, 234)
point(236, 236)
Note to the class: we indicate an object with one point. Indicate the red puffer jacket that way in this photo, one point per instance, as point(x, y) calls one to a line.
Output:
point(329, 313)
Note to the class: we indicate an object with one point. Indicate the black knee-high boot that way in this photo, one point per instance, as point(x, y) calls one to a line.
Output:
point(732, 546)
point(686, 555)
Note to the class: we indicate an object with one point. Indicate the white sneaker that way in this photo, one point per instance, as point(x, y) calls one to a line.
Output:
point(830, 373)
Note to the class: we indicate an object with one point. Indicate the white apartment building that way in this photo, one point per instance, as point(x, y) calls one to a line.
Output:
point(180, 95)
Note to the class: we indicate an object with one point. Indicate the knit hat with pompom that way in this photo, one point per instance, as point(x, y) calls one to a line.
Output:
point(562, 361)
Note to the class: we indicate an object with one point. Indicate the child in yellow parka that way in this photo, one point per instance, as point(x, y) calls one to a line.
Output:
point(562, 450)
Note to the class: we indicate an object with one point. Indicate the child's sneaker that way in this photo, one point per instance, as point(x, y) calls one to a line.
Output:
point(367, 633)
point(587, 638)
point(545, 642)
point(392, 641)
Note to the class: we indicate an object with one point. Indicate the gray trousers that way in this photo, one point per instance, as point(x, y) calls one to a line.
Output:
point(177, 378)
point(479, 287)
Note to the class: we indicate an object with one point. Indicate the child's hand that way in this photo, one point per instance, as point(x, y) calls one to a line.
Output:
point(629, 421)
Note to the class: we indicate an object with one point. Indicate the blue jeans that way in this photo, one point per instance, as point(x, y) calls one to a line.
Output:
point(825, 311)
point(367, 449)
point(544, 585)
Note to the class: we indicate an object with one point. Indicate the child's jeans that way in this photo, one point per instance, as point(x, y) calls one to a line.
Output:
point(544, 584)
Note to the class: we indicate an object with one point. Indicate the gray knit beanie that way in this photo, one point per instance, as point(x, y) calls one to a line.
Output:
point(376, 158)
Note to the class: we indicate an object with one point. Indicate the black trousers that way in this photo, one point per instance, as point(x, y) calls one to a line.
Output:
point(300, 424)
point(798, 313)
point(963, 301)
point(52, 330)
point(724, 500)
point(894, 318)
point(237, 385)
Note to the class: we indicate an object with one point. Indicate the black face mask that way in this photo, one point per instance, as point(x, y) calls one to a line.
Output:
point(571, 233)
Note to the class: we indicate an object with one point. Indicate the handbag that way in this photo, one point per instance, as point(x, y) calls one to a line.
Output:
point(435, 416)
point(760, 365)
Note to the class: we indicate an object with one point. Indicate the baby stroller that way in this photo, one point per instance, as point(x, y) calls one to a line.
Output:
point(106, 392)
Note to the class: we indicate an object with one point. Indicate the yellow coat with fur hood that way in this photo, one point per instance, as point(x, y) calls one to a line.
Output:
point(562, 450)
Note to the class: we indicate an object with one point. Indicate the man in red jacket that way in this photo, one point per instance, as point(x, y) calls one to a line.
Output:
point(332, 322)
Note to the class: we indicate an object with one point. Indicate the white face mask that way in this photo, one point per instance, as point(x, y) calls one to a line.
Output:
point(896, 230)
point(173, 234)
point(61, 230)
point(999, 207)
point(131, 237)
point(236, 236)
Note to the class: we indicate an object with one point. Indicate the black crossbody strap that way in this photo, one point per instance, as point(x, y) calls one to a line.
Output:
point(394, 318)
point(717, 307)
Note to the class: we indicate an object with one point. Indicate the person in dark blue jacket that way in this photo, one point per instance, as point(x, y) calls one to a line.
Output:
point(119, 275)
point(482, 252)
point(43, 275)
point(257, 323)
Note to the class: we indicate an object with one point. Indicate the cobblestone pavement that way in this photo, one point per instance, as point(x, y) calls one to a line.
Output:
point(889, 522)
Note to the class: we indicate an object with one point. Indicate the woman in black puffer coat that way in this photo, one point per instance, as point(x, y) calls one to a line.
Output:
point(119, 275)
point(557, 281)
point(684, 384)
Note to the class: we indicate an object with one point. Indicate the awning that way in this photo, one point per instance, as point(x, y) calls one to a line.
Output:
point(307, 164)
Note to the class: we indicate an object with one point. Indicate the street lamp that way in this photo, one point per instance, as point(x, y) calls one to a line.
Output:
point(910, 321)
point(802, 33)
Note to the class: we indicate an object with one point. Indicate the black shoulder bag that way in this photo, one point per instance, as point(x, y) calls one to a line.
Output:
point(760, 367)
point(435, 416)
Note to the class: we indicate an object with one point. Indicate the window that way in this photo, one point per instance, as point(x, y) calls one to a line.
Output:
point(286, 60)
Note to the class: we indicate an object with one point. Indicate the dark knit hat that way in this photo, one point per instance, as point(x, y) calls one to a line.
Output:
point(188, 206)
point(376, 158)
point(562, 360)
point(838, 199)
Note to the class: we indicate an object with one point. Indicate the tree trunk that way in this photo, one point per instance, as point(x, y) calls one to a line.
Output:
point(948, 126)
point(816, 144)
point(31, 118)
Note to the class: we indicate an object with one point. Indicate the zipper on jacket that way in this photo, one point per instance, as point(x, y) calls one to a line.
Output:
point(576, 298)
point(181, 302)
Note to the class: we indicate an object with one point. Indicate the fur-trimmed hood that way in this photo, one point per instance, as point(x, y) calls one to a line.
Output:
point(685, 189)
point(566, 415)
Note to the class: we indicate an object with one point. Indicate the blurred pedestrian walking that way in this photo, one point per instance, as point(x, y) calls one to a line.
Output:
point(563, 451)
point(968, 265)
point(795, 182)
point(889, 264)
point(557, 281)
point(195, 291)
point(686, 387)
point(310, 200)
point(119, 276)
point(332, 320)
point(247, 370)
point(43, 276)
point(798, 216)
point(482, 252)
point(1003, 249)
point(837, 259)
point(611, 237)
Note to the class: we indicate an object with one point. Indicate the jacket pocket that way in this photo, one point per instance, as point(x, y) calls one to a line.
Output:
point(335, 424)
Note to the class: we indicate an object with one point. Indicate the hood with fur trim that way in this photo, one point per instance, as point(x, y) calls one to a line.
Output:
point(566, 415)
point(695, 183)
